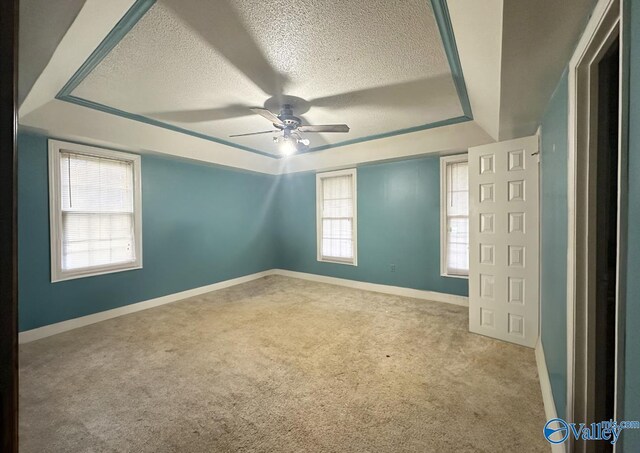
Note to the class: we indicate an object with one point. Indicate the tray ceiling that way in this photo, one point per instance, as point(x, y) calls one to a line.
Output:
point(197, 67)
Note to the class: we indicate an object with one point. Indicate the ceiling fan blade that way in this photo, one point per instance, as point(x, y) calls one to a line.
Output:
point(254, 133)
point(203, 115)
point(415, 93)
point(223, 29)
point(324, 128)
point(267, 115)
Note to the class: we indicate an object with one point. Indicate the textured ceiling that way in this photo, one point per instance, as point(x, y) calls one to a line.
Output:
point(377, 65)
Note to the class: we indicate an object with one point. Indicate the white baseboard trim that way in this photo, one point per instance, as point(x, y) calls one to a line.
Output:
point(63, 326)
point(59, 327)
point(547, 395)
point(378, 288)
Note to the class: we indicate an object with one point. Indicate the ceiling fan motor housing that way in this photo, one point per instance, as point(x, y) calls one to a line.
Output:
point(291, 126)
point(286, 116)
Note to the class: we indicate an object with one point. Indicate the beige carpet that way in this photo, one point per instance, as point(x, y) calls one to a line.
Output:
point(281, 365)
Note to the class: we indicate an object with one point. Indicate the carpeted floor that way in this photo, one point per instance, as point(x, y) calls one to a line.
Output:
point(281, 365)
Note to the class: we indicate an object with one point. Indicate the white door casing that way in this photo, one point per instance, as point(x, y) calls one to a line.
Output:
point(504, 240)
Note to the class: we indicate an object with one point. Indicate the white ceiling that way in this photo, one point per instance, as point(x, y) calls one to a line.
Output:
point(42, 26)
point(478, 32)
point(538, 40)
point(377, 65)
point(386, 54)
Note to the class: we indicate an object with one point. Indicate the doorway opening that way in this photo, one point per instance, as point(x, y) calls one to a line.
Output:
point(597, 225)
point(607, 182)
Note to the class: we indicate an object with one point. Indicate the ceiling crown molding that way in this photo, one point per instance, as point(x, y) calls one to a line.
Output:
point(81, 48)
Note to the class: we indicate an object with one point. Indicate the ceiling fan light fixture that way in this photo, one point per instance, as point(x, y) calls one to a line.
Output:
point(288, 146)
point(291, 126)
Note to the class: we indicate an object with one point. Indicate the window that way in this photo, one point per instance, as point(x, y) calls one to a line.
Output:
point(94, 198)
point(454, 230)
point(336, 217)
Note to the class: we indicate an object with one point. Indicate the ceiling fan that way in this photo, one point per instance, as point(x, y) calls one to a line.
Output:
point(291, 126)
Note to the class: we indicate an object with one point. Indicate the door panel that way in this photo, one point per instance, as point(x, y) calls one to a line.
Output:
point(503, 235)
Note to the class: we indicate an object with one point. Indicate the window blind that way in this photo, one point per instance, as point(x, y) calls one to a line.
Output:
point(337, 218)
point(97, 203)
point(457, 218)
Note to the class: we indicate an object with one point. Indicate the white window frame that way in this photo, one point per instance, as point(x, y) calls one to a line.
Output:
point(354, 224)
point(55, 211)
point(444, 161)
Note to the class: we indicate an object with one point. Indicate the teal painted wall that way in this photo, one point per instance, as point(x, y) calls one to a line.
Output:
point(553, 240)
point(204, 224)
point(631, 438)
point(201, 225)
point(398, 223)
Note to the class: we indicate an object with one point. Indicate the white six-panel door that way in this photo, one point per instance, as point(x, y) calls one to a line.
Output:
point(503, 240)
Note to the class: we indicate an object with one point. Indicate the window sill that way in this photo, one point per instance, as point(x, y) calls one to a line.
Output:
point(328, 260)
point(61, 276)
point(463, 277)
